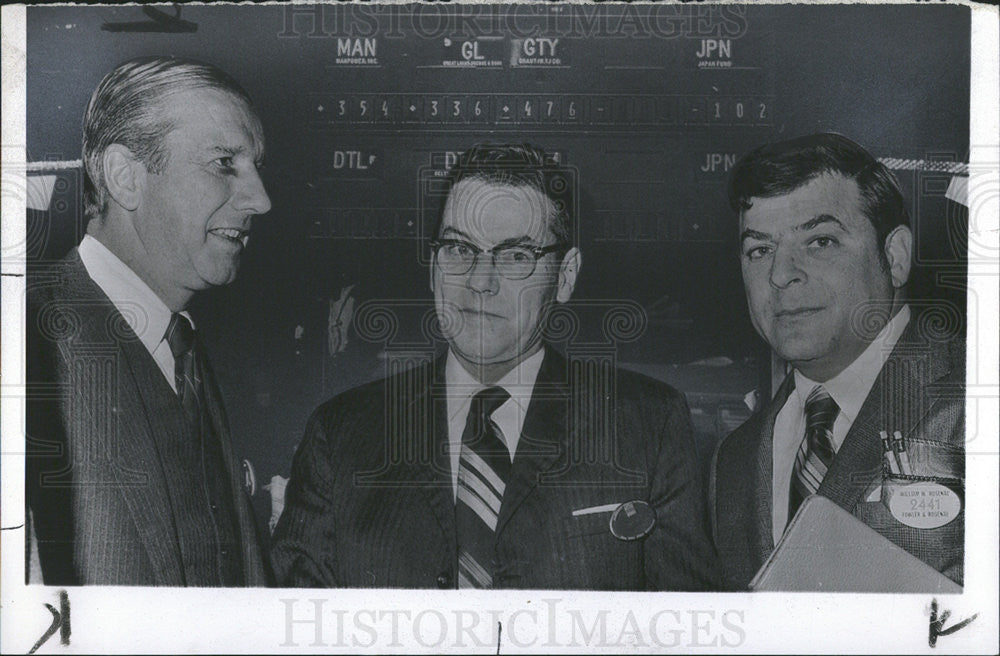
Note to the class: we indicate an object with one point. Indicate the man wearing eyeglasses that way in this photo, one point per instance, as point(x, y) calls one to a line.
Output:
point(503, 464)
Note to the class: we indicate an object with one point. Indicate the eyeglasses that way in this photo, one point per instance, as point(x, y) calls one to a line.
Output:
point(456, 257)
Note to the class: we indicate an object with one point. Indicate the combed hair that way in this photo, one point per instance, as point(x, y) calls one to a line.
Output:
point(126, 109)
point(521, 165)
point(779, 168)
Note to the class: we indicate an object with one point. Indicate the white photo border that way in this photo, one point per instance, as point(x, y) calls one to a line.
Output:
point(133, 620)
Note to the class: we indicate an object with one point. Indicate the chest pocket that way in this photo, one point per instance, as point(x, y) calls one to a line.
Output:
point(924, 511)
point(583, 525)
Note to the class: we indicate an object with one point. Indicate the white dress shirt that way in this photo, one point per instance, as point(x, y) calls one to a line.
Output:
point(849, 389)
point(145, 313)
point(509, 417)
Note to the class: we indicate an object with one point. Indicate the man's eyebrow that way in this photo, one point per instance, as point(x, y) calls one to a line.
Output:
point(510, 241)
point(820, 220)
point(804, 227)
point(523, 240)
point(457, 232)
point(227, 150)
point(233, 151)
point(754, 234)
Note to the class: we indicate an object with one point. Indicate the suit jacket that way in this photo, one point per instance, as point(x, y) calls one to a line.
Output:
point(370, 501)
point(920, 392)
point(98, 407)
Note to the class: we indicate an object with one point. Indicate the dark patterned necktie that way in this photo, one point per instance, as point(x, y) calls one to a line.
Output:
point(180, 337)
point(211, 534)
point(816, 451)
point(483, 471)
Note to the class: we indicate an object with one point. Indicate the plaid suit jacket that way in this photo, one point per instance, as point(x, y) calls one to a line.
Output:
point(920, 392)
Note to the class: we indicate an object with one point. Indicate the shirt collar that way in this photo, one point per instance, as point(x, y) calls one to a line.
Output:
point(851, 386)
point(146, 314)
point(519, 381)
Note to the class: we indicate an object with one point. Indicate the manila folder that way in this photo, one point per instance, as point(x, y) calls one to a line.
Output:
point(827, 549)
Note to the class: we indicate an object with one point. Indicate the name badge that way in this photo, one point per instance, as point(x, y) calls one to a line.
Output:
point(924, 504)
point(632, 520)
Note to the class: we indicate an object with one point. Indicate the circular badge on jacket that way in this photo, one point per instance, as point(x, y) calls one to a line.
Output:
point(632, 520)
point(924, 504)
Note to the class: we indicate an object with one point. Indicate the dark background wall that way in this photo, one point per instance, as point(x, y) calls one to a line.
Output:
point(649, 105)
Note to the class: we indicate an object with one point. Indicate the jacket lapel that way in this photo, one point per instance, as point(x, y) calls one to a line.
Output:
point(432, 475)
point(145, 409)
point(544, 435)
point(895, 402)
point(761, 517)
point(253, 562)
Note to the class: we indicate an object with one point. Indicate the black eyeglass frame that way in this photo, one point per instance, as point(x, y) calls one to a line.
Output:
point(537, 251)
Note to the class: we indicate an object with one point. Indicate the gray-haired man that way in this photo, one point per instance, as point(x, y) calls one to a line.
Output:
point(131, 478)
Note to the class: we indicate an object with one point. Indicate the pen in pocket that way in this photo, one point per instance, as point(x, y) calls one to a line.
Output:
point(888, 453)
point(900, 447)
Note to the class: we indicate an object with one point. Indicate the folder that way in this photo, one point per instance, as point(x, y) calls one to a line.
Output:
point(827, 549)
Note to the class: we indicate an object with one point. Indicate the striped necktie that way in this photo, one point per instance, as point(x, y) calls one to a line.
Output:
point(483, 471)
point(180, 337)
point(816, 451)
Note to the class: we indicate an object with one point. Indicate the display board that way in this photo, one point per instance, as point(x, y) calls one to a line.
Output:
point(366, 106)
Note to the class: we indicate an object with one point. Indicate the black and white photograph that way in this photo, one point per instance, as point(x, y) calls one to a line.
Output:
point(500, 328)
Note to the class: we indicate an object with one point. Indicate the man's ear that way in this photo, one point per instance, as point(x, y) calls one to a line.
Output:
point(899, 253)
point(124, 176)
point(568, 271)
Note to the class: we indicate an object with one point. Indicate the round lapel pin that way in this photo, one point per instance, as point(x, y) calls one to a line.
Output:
point(632, 520)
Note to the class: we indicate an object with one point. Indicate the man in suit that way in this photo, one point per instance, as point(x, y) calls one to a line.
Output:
point(501, 464)
point(131, 477)
point(826, 254)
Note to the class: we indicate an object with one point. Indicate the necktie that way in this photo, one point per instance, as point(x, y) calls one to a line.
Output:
point(180, 337)
point(483, 471)
point(210, 534)
point(816, 451)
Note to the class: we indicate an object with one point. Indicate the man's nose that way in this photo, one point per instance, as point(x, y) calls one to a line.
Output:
point(483, 277)
point(251, 197)
point(785, 268)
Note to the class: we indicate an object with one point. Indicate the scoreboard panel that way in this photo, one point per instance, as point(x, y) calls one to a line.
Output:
point(365, 107)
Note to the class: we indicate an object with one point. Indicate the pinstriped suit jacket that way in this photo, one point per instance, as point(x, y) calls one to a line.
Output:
point(919, 392)
point(97, 407)
point(370, 501)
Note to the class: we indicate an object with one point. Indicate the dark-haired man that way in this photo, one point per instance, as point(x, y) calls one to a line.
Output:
point(131, 477)
point(872, 403)
point(501, 464)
